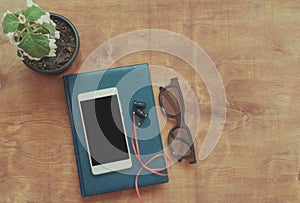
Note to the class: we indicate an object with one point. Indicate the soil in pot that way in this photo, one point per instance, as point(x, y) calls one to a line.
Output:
point(65, 48)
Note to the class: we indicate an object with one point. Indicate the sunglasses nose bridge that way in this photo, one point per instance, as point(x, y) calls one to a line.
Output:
point(179, 119)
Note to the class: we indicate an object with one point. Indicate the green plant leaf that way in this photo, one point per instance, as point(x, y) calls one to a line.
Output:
point(34, 45)
point(33, 13)
point(10, 23)
point(50, 28)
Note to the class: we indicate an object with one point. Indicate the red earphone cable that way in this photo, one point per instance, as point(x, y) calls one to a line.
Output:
point(136, 150)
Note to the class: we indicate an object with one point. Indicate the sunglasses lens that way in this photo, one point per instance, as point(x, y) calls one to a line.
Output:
point(180, 143)
point(170, 101)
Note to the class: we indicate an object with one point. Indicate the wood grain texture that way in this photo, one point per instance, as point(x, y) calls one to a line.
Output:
point(255, 46)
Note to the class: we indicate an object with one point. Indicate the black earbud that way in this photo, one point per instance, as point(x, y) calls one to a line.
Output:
point(139, 105)
point(138, 111)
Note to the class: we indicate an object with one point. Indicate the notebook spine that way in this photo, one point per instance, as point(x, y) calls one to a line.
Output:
point(68, 97)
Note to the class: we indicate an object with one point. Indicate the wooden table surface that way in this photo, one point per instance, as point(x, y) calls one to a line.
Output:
point(255, 46)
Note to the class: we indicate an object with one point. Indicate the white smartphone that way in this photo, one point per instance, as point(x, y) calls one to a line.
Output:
point(104, 131)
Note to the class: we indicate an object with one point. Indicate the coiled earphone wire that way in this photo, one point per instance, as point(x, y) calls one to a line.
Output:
point(136, 150)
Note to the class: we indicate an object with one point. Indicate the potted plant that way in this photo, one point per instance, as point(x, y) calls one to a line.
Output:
point(46, 42)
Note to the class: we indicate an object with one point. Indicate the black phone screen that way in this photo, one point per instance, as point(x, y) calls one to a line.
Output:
point(104, 130)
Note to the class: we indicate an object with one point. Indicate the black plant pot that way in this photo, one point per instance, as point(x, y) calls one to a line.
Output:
point(74, 53)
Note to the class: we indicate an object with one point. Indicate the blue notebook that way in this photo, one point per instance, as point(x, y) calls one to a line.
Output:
point(133, 83)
